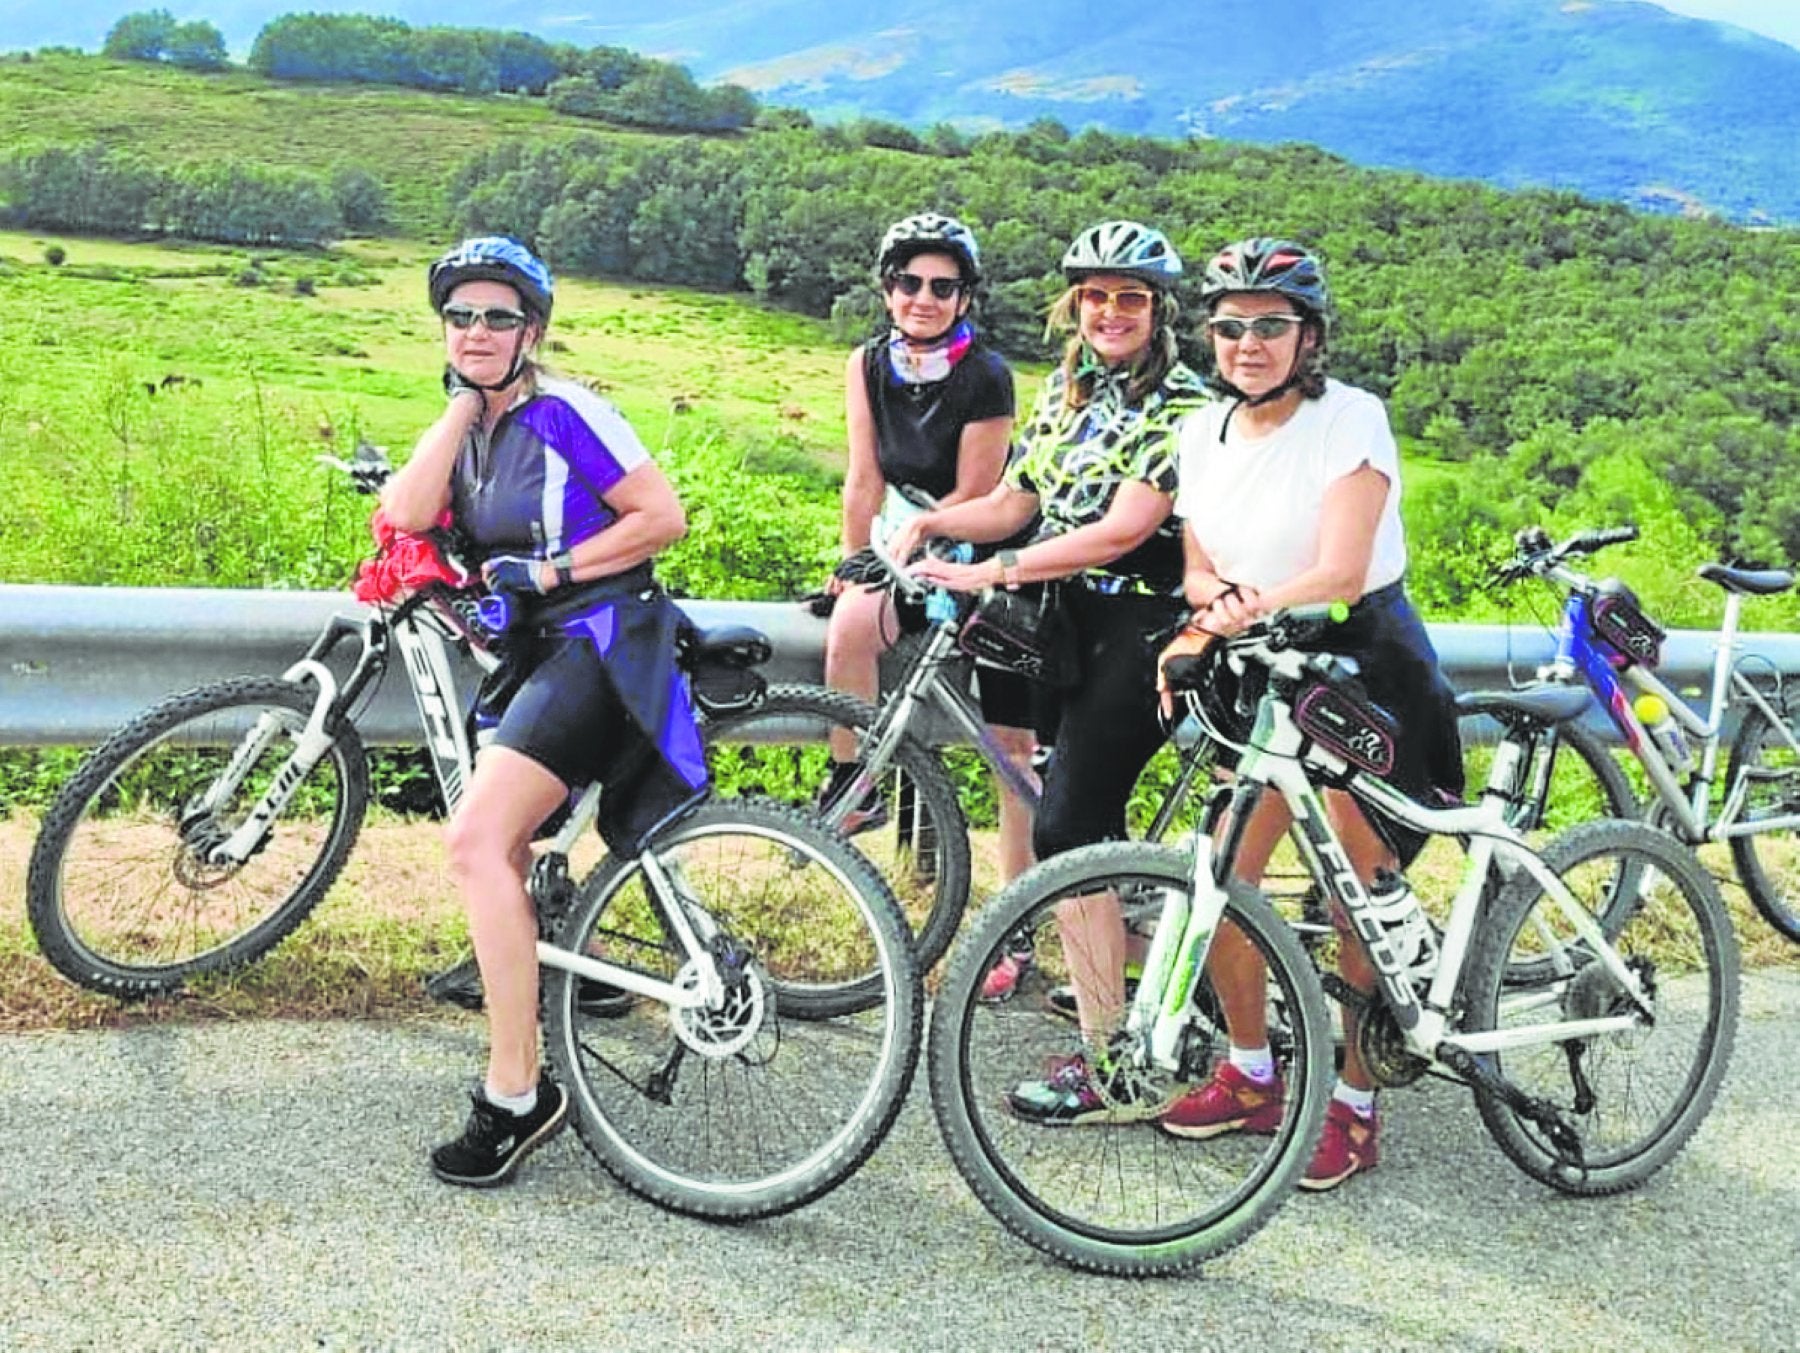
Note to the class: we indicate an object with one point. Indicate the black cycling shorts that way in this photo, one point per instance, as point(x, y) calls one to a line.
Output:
point(556, 704)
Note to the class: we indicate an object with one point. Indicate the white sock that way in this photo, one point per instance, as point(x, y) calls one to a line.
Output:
point(517, 1105)
point(1256, 1063)
point(1363, 1101)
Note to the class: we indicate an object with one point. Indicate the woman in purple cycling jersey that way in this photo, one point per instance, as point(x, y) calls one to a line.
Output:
point(565, 510)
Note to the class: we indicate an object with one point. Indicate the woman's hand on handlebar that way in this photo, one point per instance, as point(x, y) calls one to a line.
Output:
point(955, 577)
point(907, 540)
point(1232, 611)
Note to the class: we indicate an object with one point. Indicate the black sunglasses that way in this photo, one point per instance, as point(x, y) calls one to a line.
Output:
point(498, 318)
point(910, 284)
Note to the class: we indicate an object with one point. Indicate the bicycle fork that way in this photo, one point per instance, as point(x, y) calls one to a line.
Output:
point(310, 747)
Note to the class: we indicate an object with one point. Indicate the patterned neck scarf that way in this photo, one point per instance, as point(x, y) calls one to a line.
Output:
point(915, 365)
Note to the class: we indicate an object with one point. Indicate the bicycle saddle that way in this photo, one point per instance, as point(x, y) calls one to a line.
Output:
point(1541, 702)
point(1761, 582)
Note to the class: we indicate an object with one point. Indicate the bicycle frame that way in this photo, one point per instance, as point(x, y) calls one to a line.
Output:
point(1578, 656)
point(1280, 756)
point(424, 627)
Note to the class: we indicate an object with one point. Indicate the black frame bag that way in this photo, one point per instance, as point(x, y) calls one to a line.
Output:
point(1023, 629)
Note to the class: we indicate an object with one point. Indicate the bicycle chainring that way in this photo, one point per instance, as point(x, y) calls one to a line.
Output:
point(1384, 1052)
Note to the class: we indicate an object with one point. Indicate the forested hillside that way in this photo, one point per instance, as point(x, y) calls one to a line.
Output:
point(1554, 354)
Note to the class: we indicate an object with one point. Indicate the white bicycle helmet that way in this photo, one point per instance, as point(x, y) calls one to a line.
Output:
point(1124, 247)
point(930, 232)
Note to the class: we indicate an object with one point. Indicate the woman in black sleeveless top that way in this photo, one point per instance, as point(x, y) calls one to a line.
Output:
point(929, 409)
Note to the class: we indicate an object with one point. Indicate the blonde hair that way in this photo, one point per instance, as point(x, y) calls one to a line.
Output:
point(1148, 371)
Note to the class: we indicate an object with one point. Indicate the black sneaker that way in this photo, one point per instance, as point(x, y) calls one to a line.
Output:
point(1061, 1000)
point(493, 1142)
point(460, 985)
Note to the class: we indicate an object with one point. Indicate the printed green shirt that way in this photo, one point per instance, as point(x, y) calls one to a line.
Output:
point(1075, 460)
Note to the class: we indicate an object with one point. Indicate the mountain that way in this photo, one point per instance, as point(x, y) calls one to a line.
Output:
point(1611, 98)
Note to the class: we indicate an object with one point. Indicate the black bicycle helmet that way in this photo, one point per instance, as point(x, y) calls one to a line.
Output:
point(494, 258)
point(1265, 264)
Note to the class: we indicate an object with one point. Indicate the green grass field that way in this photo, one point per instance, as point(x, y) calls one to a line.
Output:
point(176, 117)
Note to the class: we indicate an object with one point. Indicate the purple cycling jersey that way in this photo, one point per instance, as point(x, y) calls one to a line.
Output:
point(536, 485)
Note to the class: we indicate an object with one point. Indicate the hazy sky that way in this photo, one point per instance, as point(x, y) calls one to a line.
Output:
point(1779, 19)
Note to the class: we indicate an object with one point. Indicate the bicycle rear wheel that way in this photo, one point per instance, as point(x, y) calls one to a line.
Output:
point(1634, 1096)
point(1114, 1193)
point(1566, 777)
point(753, 1108)
point(1764, 760)
point(922, 848)
point(121, 893)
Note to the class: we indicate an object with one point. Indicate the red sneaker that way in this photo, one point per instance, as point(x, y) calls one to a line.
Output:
point(1347, 1148)
point(1229, 1102)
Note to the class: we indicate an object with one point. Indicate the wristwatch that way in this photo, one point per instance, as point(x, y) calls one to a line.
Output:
point(1009, 561)
point(564, 564)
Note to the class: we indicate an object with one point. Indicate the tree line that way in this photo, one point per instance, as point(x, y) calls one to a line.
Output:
point(94, 189)
point(609, 84)
point(1538, 333)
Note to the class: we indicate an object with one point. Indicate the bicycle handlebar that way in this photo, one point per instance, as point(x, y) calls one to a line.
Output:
point(368, 467)
point(1537, 557)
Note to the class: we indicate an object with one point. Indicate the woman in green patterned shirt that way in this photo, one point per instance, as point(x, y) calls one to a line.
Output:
point(1096, 468)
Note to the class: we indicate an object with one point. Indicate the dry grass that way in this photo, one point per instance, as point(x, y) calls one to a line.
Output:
point(392, 921)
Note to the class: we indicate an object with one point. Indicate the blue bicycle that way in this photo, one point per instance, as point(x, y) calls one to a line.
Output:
point(1606, 644)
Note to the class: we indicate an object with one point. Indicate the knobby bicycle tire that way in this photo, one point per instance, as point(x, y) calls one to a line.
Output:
point(777, 750)
point(1585, 782)
point(1650, 1085)
point(751, 1109)
point(1769, 862)
point(119, 896)
point(1121, 1196)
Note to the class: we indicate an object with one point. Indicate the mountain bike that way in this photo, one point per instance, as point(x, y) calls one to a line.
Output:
point(1593, 1029)
point(1607, 645)
point(922, 843)
point(765, 1008)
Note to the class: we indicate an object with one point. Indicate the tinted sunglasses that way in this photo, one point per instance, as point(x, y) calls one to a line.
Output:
point(1127, 300)
point(1266, 327)
point(498, 318)
point(911, 284)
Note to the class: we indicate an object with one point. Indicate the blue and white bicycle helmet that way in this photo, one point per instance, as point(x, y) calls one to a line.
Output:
point(930, 232)
point(1124, 247)
point(494, 258)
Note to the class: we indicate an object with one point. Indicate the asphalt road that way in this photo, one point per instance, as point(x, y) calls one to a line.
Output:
point(264, 1185)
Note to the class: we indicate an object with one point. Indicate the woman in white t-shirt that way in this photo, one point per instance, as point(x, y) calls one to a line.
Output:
point(1290, 490)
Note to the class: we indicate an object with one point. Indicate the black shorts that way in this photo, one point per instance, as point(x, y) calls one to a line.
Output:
point(1008, 700)
point(554, 701)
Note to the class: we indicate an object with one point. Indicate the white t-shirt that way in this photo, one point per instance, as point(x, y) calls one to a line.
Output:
point(1254, 503)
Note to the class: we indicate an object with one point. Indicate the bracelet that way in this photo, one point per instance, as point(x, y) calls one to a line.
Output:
point(564, 564)
point(1009, 561)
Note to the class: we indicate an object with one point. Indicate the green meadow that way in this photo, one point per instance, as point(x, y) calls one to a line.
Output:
point(165, 405)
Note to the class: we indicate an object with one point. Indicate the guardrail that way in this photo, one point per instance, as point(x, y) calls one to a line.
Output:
point(76, 662)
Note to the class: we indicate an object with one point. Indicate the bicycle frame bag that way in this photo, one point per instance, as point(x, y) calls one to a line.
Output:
point(1021, 629)
point(1620, 624)
point(1337, 714)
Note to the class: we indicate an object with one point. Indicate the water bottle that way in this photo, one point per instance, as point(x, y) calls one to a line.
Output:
point(1403, 921)
point(1654, 713)
point(940, 605)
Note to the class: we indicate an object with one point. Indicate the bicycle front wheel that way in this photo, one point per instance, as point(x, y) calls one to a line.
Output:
point(1633, 1096)
point(919, 840)
point(128, 893)
point(750, 1108)
point(1093, 1180)
point(1764, 760)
